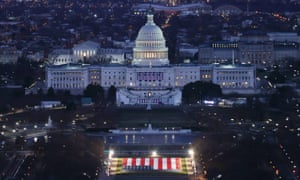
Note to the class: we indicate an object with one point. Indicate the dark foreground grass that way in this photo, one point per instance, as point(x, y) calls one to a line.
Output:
point(167, 117)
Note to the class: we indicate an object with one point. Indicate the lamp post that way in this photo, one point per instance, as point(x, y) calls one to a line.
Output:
point(192, 153)
point(149, 100)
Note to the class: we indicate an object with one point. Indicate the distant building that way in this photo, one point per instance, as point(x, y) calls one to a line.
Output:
point(284, 36)
point(68, 77)
point(286, 51)
point(150, 79)
point(85, 50)
point(257, 53)
point(60, 56)
point(113, 55)
point(184, 9)
point(235, 79)
point(187, 50)
point(206, 72)
point(227, 10)
point(88, 52)
point(9, 55)
point(254, 35)
point(218, 52)
point(253, 47)
point(37, 56)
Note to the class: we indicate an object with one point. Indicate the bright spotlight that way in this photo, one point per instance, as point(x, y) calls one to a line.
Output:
point(191, 152)
point(154, 153)
point(111, 153)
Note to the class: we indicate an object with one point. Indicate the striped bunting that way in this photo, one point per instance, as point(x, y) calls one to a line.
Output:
point(132, 164)
point(158, 163)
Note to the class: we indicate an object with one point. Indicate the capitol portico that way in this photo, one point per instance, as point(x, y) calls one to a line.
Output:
point(150, 79)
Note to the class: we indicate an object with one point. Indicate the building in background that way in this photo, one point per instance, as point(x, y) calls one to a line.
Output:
point(256, 48)
point(60, 56)
point(149, 79)
point(9, 55)
point(218, 52)
point(286, 50)
point(284, 36)
point(85, 50)
point(235, 79)
point(183, 9)
point(253, 47)
point(112, 55)
point(227, 10)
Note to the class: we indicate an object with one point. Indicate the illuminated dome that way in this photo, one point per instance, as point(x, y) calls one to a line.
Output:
point(150, 31)
point(150, 46)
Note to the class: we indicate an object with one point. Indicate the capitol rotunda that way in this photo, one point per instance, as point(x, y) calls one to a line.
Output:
point(150, 46)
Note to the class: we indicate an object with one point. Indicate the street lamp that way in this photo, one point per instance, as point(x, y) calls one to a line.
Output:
point(149, 100)
point(191, 153)
point(110, 154)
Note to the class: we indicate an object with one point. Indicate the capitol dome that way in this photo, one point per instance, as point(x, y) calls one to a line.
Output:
point(150, 46)
point(150, 31)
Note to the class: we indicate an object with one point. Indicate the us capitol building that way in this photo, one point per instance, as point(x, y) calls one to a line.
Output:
point(150, 79)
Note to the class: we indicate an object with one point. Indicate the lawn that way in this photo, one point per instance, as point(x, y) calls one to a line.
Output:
point(168, 117)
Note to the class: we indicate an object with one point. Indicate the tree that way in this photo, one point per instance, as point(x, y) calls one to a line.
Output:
point(50, 92)
point(282, 97)
point(67, 93)
point(25, 71)
point(197, 91)
point(40, 92)
point(276, 77)
point(28, 80)
point(96, 92)
point(196, 55)
point(111, 96)
point(71, 106)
